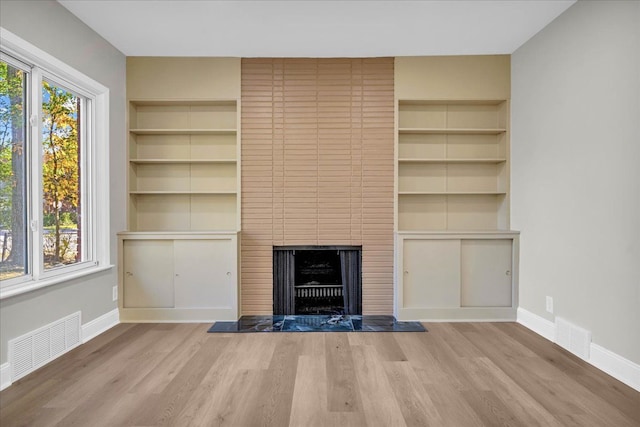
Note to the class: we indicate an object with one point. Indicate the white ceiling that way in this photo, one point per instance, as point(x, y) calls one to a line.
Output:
point(306, 28)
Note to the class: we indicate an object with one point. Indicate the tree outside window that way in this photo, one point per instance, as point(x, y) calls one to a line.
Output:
point(54, 170)
point(13, 241)
point(60, 176)
point(61, 113)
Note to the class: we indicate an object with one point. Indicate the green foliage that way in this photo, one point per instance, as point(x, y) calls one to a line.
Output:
point(60, 149)
point(5, 186)
point(60, 169)
point(11, 115)
point(67, 220)
point(60, 166)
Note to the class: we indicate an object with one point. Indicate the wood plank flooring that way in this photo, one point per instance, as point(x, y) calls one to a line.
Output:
point(457, 374)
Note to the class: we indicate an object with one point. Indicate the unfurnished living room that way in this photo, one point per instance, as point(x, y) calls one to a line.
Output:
point(320, 213)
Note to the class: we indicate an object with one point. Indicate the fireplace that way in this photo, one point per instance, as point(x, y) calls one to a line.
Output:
point(317, 280)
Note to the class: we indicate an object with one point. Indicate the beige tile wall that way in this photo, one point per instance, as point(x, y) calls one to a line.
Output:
point(317, 168)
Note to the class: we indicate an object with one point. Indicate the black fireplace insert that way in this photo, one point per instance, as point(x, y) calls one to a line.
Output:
point(317, 280)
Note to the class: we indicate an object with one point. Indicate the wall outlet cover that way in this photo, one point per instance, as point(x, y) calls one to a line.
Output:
point(550, 304)
point(114, 293)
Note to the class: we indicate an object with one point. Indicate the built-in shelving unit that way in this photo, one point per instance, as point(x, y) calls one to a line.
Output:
point(453, 165)
point(178, 260)
point(183, 165)
point(456, 256)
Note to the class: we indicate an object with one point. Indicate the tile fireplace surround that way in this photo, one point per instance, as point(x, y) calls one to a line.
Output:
point(317, 168)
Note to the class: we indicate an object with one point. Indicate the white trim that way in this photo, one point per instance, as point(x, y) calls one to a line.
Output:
point(100, 209)
point(92, 329)
point(607, 361)
point(5, 376)
point(465, 320)
point(209, 321)
point(615, 365)
point(177, 315)
point(537, 324)
point(88, 331)
point(21, 288)
point(22, 48)
point(98, 187)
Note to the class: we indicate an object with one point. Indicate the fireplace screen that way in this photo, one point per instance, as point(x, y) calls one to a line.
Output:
point(317, 280)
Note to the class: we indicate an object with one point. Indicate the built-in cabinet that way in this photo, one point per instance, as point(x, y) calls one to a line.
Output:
point(179, 257)
point(456, 257)
point(173, 276)
point(457, 276)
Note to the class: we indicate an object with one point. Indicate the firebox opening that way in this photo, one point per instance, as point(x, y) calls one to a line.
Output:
point(317, 280)
point(318, 287)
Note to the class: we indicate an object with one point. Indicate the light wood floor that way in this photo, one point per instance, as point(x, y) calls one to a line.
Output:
point(463, 374)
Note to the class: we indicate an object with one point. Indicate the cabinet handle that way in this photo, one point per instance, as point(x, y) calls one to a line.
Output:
point(129, 274)
point(508, 272)
point(229, 273)
point(406, 272)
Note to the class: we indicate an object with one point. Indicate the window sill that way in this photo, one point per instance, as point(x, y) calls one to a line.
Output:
point(22, 288)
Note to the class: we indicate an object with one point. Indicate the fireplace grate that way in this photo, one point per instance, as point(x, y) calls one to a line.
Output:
point(318, 291)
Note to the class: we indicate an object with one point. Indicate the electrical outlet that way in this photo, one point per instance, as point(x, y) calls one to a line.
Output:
point(550, 304)
point(114, 293)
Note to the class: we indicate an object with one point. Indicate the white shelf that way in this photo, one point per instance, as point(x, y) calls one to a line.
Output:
point(183, 102)
point(183, 131)
point(451, 131)
point(470, 233)
point(450, 193)
point(180, 161)
point(425, 160)
point(183, 192)
point(444, 102)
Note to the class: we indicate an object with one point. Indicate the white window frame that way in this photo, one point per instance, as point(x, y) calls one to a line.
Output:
point(45, 66)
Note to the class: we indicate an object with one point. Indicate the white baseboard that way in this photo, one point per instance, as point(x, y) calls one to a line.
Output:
point(5, 376)
point(99, 325)
point(537, 324)
point(617, 366)
point(607, 361)
point(88, 331)
point(472, 320)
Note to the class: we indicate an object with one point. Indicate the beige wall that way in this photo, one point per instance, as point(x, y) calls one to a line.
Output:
point(178, 78)
point(317, 168)
point(475, 77)
point(575, 176)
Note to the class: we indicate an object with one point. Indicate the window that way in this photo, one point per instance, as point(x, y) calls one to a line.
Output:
point(53, 170)
point(62, 172)
point(13, 193)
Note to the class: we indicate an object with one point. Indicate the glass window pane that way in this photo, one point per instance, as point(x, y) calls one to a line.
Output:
point(13, 207)
point(61, 169)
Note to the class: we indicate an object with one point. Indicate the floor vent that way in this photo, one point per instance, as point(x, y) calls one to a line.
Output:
point(573, 338)
point(37, 348)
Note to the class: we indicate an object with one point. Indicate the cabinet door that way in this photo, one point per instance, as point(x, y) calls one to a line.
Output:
point(431, 274)
point(148, 273)
point(486, 273)
point(205, 274)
